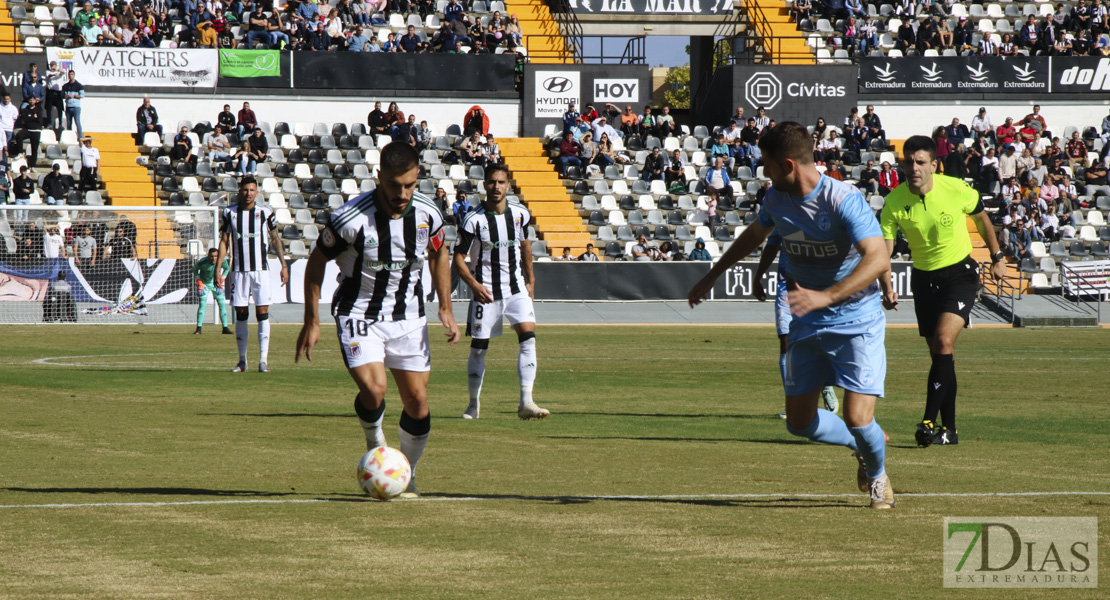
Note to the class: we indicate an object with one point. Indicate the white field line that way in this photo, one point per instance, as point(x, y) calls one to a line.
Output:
point(559, 498)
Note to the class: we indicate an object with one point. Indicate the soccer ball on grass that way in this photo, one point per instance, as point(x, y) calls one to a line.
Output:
point(384, 473)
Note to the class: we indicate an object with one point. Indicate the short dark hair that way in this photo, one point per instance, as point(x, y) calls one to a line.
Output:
point(211, 250)
point(498, 168)
point(399, 157)
point(246, 180)
point(788, 139)
point(917, 143)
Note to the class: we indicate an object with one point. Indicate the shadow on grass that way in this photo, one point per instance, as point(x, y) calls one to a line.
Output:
point(157, 491)
point(665, 415)
point(282, 415)
point(691, 501)
point(672, 439)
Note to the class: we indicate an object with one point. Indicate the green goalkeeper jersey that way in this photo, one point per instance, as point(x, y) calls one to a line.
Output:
point(205, 270)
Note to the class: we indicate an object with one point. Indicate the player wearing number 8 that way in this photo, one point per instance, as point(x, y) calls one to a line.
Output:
point(379, 240)
point(503, 284)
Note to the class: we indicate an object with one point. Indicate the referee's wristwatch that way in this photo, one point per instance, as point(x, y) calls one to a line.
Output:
point(997, 257)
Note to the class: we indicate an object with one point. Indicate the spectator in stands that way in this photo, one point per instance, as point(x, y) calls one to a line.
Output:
point(801, 9)
point(570, 117)
point(589, 255)
point(458, 32)
point(666, 125)
point(411, 43)
point(217, 145)
point(869, 178)
point(653, 165)
point(566, 256)
point(393, 118)
point(358, 42)
point(260, 148)
point(762, 121)
point(257, 27)
point(568, 153)
point(630, 123)
point(182, 148)
point(587, 150)
point(601, 127)
point(406, 131)
point(606, 153)
point(1036, 175)
point(716, 179)
point(1076, 151)
point(32, 88)
point(874, 124)
point(54, 245)
point(495, 30)
point(641, 251)
point(647, 122)
point(956, 132)
point(84, 247)
point(830, 147)
point(1007, 164)
point(855, 8)
point(55, 186)
point(963, 36)
point(1029, 34)
point(9, 114)
point(246, 121)
point(226, 119)
point(944, 149)
point(516, 36)
point(905, 37)
point(337, 40)
point(453, 10)
point(981, 125)
point(888, 179)
point(988, 172)
point(146, 119)
point(54, 80)
point(30, 123)
point(1006, 133)
point(90, 165)
point(22, 189)
point(1025, 162)
point(1067, 195)
point(945, 38)
point(720, 149)
point(475, 121)
point(674, 171)
point(1095, 182)
point(243, 159)
point(579, 129)
point(72, 93)
point(699, 252)
point(1037, 121)
point(867, 36)
point(275, 27)
point(461, 207)
point(377, 121)
point(927, 36)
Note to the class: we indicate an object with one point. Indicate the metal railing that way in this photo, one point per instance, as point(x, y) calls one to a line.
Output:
point(1000, 289)
point(1082, 287)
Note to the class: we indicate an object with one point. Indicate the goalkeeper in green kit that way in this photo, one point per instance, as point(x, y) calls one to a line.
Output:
point(205, 270)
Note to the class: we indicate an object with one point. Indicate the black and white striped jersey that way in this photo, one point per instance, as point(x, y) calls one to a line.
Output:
point(380, 259)
point(250, 234)
point(493, 242)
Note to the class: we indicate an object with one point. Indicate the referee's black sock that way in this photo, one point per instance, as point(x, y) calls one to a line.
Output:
point(948, 409)
point(942, 377)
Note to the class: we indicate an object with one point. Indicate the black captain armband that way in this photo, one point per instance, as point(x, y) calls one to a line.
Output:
point(979, 207)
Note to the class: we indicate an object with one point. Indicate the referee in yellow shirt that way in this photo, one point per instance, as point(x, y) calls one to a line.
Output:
point(930, 209)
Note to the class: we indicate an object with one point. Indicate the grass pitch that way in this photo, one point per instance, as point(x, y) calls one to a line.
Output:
point(134, 465)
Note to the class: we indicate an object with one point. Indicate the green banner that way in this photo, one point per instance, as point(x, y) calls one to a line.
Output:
point(250, 63)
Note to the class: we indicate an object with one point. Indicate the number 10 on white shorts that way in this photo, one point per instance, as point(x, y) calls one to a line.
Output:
point(398, 344)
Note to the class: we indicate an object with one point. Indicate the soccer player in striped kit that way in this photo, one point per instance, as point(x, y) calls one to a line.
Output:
point(379, 240)
point(503, 284)
point(244, 230)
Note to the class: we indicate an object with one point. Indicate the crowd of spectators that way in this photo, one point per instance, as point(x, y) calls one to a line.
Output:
point(1075, 28)
point(406, 26)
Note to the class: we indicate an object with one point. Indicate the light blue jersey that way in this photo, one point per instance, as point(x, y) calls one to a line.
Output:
point(818, 233)
point(782, 303)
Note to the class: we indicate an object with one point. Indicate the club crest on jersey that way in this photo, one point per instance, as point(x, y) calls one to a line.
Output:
point(354, 350)
point(823, 221)
point(946, 220)
point(327, 237)
point(422, 233)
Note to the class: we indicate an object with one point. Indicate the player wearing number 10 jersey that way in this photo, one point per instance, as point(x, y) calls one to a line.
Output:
point(379, 240)
point(501, 279)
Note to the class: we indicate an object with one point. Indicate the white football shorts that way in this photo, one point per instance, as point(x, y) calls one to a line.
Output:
point(247, 286)
point(483, 321)
point(397, 344)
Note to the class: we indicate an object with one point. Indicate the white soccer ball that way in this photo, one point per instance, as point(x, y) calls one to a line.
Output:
point(384, 473)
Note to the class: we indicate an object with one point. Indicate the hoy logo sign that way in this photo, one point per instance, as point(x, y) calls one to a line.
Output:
point(616, 90)
point(1021, 552)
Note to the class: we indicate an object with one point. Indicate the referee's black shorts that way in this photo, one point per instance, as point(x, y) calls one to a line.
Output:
point(950, 289)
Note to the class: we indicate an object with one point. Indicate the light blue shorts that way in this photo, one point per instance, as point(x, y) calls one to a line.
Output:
point(782, 308)
point(849, 355)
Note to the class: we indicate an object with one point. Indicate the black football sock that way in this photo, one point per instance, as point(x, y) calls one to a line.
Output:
point(936, 385)
point(942, 384)
point(948, 409)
